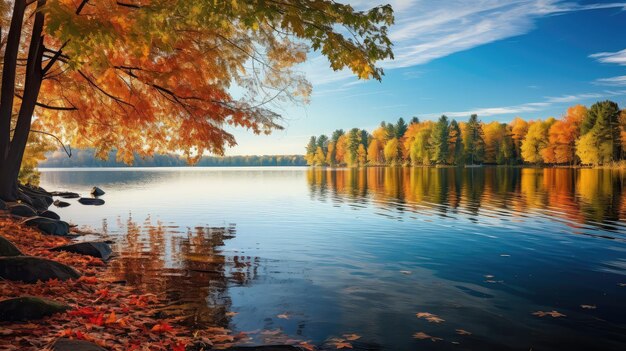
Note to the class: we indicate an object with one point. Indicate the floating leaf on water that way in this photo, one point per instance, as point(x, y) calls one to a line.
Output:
point(588, 307)
point(231, 314)
point(424, 336)
point(432, 318)
point(505, 255)
point(343, 345)
point(553, 314)
point(406, 272)
point(463, 332)
point(352, 337)
point(283, 316)
point(489, 276)
point(306, 345)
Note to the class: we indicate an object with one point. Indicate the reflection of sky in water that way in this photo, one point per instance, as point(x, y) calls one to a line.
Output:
point(485, 248)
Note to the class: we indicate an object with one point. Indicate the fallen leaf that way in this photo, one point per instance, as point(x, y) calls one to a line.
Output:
point(161, 327)
point(283, 316)
point(463, 332)
point(343, 345)
point(588, 307)
point(432, 318)
point(351, 337)
point(424, 336)
point(553, 314)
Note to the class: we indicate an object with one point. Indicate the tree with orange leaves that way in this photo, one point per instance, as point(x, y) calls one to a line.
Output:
point(146, 76)
point(562, 137)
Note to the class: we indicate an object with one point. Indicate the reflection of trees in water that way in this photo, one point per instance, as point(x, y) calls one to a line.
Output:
point(585, 196)
point(188, 268)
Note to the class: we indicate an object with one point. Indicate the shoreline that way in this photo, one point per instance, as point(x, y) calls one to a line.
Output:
point(89, 309)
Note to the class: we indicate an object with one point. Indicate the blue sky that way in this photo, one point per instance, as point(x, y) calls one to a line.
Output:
point(496, 58)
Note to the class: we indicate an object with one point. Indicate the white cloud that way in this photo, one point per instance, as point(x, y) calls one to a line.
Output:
point(426, 30)
point(614, 81)
point(611, 57)
point(527, 107)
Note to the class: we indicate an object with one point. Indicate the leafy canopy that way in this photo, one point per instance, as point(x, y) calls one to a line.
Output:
point(151, 76)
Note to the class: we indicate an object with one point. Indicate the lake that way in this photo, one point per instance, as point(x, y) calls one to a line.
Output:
point(490, 258)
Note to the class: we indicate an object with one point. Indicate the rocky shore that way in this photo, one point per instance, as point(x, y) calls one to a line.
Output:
point(55, 293)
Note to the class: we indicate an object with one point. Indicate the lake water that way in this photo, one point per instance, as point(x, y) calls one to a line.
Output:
point(312, 254)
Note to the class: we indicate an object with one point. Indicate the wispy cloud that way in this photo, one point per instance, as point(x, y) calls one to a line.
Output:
point(613, 81)
point(611, 57)
point(428, 30)
point(528, 107)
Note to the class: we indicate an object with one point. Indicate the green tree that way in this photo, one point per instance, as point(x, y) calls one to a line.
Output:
point(473, 141)
point(439, 139)
point(455, 142)
point(322, 141)
point(400, 128)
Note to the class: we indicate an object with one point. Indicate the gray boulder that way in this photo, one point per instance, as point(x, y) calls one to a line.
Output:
point(49, 214)
point(30, 269)
point(29, 308)
point(7, 248)
point(22, 210)
point(90, 248)
point(48, 225)
point(97, 191)
point(92, 202)
point(64, 344)
point(59, 203)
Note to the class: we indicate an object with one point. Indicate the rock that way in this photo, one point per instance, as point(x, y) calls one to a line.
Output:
point(29, 308)
point(49, 214)
point(88, 201)
point(90, 248)
point(3, 205)
point(64, 344)
point(59, 203)
point(30, 269)
point(7, 248)
point(48, 225)
point(37, 197)
point(66, 194)
point(97, 191)
point(22, 210)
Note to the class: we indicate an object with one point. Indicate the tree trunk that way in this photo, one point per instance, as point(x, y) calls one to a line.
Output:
point(14, 152)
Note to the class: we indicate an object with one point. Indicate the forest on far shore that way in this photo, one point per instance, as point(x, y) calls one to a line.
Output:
point(583, 136)
point(87, 158)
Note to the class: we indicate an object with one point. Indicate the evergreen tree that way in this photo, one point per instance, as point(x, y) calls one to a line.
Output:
point(439, 141)
point(455, 142)
point(474, 142)
point(400, 128)
point(322, 142)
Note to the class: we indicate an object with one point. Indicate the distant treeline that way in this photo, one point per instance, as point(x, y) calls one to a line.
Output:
point(87, 158)
point(589, 136)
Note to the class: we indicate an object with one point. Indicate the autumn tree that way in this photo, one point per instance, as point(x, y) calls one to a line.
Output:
point(392, 151)
point(311, 149)
point(603, 120)
point(152, 76)
point(562, 137)
point(536, 141)
point(519, 128)
point(374, 153)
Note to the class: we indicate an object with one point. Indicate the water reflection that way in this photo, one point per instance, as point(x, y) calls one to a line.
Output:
point(188, 268)
point(582, 198)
